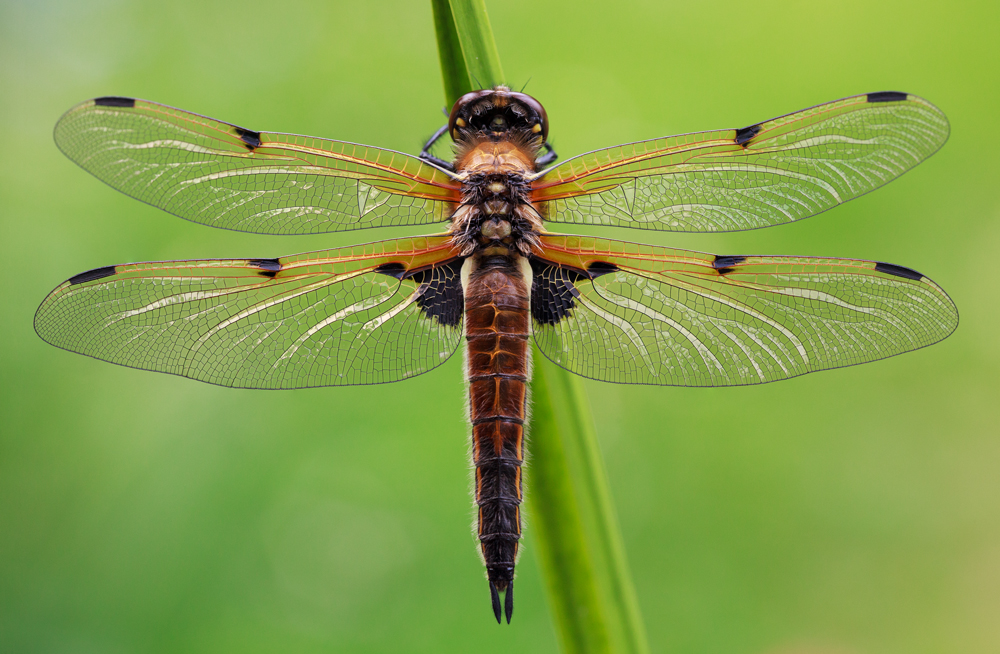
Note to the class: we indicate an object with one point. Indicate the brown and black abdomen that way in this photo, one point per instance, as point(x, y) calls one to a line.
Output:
point(497, 328)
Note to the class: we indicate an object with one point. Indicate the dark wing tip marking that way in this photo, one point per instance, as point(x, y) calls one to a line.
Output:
point(249, 137)
point(898, 271)
point(114, 101)
point(267, 267)
point(598, 268)
point(726, 264)
point(745, 135)
point(91, 275)
point(396, 270)
point(887, 96)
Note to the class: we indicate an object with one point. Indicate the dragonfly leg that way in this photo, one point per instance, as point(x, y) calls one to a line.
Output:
point(547, 158)
point(427, 156)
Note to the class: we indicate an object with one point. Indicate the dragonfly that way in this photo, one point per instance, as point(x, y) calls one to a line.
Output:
point(495, 278)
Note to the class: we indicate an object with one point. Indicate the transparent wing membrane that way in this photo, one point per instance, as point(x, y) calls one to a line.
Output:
point(769, 173)
point(226, 176)
point(608, 310)
point(638, 314)
point(368, 314)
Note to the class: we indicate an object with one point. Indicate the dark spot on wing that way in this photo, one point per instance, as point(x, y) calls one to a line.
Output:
point(91, 275)
point(114, 101)
point(396, 270)
point(440, 292)
point(268, 267)
point(250, 138)
point(599, 268)
point(745, 135)
point(886, 96)
point(553, 290)
point(898, 271)
point(725, 264)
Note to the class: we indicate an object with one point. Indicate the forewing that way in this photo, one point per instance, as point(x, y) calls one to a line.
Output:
point(226, 176)
point(638, 314)
point(769, 173)
point(368, 314)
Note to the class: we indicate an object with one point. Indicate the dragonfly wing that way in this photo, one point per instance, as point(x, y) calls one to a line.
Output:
point(368, 314)
point(227, 176)
point(639, 314)
point(770, 173)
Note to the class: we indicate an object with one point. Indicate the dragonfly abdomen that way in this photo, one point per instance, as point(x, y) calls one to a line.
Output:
point(497, 324)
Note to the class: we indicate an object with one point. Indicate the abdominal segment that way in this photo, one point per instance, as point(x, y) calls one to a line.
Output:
point(497, 328)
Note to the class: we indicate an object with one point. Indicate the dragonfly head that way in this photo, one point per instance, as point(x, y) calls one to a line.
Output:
point(498, 113)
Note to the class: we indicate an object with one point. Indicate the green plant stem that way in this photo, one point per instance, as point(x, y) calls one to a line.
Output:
point(469, 59)
point(456, 76)
point(576, 533)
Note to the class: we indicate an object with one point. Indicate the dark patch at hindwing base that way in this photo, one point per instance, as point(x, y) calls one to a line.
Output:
point(267, 267)
point(898, 271)
point(552, 291)
point(114, 101)
point(249, 137)
point(441, 296)
point(91, 275)
point(886, 96)
point(746, 134)
point(439, 289)
point(726, 264)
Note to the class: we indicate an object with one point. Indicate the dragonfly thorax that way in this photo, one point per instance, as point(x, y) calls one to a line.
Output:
point(495, 214)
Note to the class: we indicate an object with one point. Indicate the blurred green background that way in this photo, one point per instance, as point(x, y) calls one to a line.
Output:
point(855, 510)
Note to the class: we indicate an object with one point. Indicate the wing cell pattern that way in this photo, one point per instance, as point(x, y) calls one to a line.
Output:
point(653, 315)
point(766, 174)
point(227, 176)
point(330, 318)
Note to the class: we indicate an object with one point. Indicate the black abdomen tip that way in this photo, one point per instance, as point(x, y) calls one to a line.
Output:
point(91, 275)
point(114, 101)
point(495, 599)
point(886, 96)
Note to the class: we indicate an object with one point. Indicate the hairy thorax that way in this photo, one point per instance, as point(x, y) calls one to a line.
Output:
point(496, 215)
